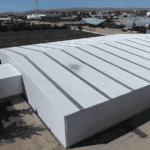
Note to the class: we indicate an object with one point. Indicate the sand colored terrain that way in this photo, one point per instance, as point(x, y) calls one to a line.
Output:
point(119, 20)
point(37, 22)
point(25, 131)
point(108, 30)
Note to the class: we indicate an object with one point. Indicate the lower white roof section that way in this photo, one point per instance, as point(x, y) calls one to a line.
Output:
point(78, 89)
point(5, 66)
point(10, 81)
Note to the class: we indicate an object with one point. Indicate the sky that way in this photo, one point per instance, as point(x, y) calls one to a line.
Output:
point(25, 5)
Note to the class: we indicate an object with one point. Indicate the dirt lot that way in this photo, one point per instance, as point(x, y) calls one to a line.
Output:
point(37, 22)
point(26, 37)
point(25, 131)
point(119, 20)
point(108, 30)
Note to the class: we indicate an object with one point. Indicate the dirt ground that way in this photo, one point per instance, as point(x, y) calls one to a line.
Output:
point(27, 37)
point(37, 22)
point(25, 131)
point(109, 30)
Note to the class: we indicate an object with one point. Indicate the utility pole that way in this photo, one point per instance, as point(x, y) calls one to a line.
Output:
point(36, 9)
point(37, 5)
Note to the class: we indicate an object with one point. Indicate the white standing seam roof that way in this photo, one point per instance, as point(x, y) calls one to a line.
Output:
point(94, 21)
point(83, 86)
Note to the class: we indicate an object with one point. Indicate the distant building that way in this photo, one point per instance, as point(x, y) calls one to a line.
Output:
point(107, 17)
point(90, 13)
point(120, 25)
point(99, 14)
point(66, 15)
point(105, 12)
point(77, 23)
point(93, 16)
point(93, 21)
point(50, 18)
point(78, 13)
point(120, 17)
point(148, 14)
point(113, 14)
point(59, 13)
point(102, 23)
point(125, 15)
point(73, 18)
point(76, 18)
point(35, 16)
point(3, 19)
point(148, 29)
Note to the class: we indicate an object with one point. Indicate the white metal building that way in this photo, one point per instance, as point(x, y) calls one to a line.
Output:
point(81, 87)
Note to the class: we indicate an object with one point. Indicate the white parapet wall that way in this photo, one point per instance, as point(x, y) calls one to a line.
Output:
point(10, 81)
point(81, 87)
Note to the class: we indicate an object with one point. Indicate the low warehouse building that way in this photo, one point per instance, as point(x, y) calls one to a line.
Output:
point(80, 87)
